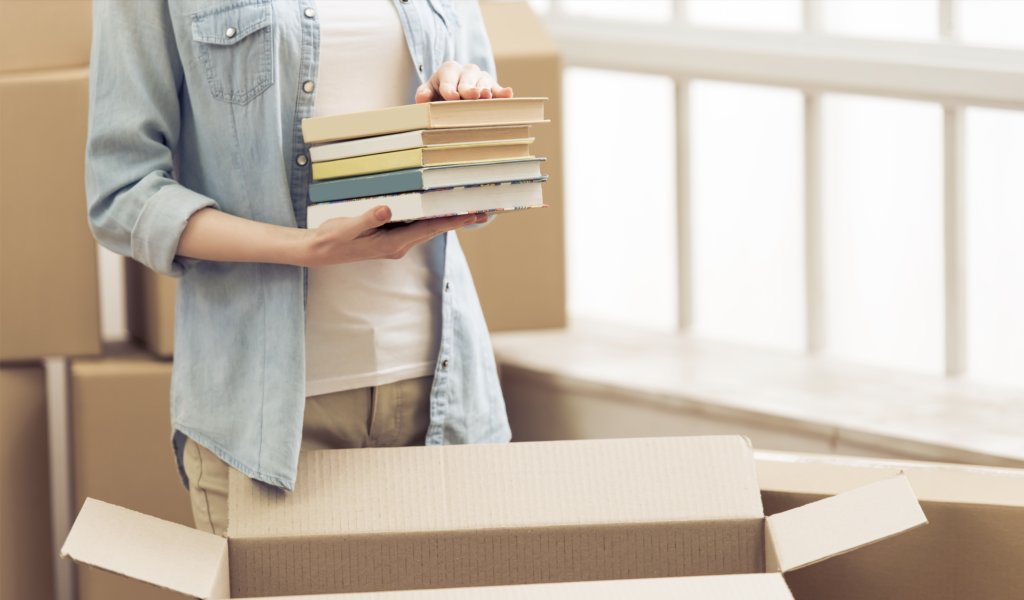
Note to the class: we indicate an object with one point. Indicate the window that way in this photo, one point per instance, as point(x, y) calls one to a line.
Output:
point(838, 178)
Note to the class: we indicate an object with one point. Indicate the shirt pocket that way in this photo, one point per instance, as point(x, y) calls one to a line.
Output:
point(235, 45)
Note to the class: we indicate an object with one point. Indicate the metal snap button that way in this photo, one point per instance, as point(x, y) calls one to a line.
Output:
point(301, 160)
point(309, 12)
point(421, 68)
point(447, 286)
point(231, 32)
point(444, 364)
point(308, 87)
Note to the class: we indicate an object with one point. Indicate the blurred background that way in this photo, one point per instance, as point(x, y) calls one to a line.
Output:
point(797, 220)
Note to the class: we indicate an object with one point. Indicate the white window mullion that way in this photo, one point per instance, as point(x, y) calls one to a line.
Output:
point(679, 14)
point(684, 226)
point(812, 16)
point(948, 20)
point(813, 243)
point(955, 248)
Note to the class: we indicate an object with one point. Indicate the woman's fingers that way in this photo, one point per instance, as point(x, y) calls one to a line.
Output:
point(466, 82)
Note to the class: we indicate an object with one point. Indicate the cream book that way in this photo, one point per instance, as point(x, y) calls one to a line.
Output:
point(430, 115)
point(423, 138)
point(421, 157)
point(430, 204)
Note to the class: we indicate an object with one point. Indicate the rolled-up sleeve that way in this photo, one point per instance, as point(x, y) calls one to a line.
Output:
point(136, 208)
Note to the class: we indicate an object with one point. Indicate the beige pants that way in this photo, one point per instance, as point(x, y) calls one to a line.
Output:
point(390, 415)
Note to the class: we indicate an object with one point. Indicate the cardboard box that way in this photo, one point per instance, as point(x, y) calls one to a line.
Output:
point(150, 307)
point(973, 546)
point(26, 549)
point(505, 514)
point(35, 35)
point(49, 296)
point(518, 260)
point(121, 432)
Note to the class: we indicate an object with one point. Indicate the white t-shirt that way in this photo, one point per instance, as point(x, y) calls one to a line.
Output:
point(378, 321)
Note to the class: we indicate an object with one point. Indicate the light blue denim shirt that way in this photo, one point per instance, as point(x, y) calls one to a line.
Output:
point(198, 103)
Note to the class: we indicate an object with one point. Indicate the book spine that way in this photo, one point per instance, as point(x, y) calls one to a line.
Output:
point(372, 185)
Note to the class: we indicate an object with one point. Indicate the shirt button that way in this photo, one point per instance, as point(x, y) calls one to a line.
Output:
point(308, 87)
point(231, 32)
point(301, 160)
point(309, 12)
point(444, 364)
point(421, 68)
point(447, 286)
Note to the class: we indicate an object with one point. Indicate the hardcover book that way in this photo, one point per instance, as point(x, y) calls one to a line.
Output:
point(418, 139)
point(429, 204)
point(420, 157)
point(408, 180)
point(429, 115)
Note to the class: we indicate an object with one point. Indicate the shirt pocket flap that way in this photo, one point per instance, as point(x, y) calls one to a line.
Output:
point(226, 26)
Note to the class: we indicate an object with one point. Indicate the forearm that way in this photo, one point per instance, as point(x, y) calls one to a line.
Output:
point(215, 235)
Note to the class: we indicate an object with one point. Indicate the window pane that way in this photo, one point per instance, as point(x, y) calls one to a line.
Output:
point(620, 197)
point(995, 245)
point(882, 228)
point(648, 10)
point(770, 15)
point(991, 22)
point(747, 168)
point(900, 19)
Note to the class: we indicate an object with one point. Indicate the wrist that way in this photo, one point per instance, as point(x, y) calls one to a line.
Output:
point(302, 246)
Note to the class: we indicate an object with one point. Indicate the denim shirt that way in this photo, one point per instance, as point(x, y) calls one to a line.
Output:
point(198, 103)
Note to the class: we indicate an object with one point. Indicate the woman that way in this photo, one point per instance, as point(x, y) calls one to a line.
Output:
point(345, 336)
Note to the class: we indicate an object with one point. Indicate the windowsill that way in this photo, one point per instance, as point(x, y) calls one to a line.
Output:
point(849, 406)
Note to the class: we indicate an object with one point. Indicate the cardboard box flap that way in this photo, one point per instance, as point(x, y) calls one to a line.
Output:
point(148, 549)
point(502, 486)
point(718, 587)
point(811, 533)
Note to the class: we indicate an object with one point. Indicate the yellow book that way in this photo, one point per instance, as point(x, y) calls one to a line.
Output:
point(416, 158)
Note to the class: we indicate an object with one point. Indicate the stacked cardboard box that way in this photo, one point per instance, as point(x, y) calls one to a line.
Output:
point(26, 551)
point(48, 288)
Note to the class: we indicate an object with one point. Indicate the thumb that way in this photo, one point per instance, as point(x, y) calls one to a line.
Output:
point(375, 217)
point(424, 93)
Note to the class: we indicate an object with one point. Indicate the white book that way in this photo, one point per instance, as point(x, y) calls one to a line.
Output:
point(428, 204)
point(424, 138)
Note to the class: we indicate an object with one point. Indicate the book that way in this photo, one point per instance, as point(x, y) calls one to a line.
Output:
point(426, 178)
point(420, 157)
point(417, 139)
point(429, 115)
point(429, 204)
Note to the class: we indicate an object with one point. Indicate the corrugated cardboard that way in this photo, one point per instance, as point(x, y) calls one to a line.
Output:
point(150, 307)
point(384, 519)
point(50, 34)
point(121, 430)
point(49, 296)
point(518, 260)
point(720, 587)
point(26, 549)
point(973, 546)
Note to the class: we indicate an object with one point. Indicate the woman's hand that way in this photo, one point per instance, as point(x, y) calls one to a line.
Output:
point(353, 239)
point(214, 235)
point(460, 82)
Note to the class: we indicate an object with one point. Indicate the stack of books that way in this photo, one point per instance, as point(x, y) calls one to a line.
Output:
point(425, 161)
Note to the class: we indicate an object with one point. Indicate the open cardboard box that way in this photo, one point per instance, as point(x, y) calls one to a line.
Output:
point(374, 520)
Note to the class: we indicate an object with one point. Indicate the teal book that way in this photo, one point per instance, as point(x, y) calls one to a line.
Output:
point(427, 178)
